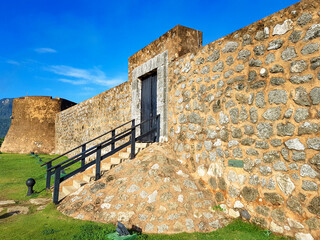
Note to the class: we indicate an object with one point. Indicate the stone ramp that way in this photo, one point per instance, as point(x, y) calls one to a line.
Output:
point(154, 192)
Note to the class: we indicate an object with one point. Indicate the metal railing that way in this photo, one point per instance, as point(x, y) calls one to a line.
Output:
point(96, 150)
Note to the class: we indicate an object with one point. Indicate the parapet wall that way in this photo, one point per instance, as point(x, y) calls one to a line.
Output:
point(33, 124)
point(244, 115)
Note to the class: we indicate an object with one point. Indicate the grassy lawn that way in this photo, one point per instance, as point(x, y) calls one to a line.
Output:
point(15, 169)
point(49, 223)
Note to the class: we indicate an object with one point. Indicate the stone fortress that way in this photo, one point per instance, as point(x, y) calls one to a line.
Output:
point(242, 115)
point(33, 124)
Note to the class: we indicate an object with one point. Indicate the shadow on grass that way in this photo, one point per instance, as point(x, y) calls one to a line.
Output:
point(6, 215)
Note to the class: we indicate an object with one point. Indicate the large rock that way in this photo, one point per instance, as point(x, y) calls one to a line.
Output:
point(230, 47)
point(274, 198)
point(313, 223)
point(272, 114)
point(288, 54)
point(285, 184)
point(304, 236)
point(309, 186)
point(283, 28)
point(265, 130)
point(277, 81)
point(214, 56)
point(301, 114)
point(278, 96)
point(294, 144)
point(315, 63)
point(307, 171)
point(260, 102)
point(314, 143)
point(314, 206)
point(249, 194)
point(315, 96)
point(244, 55)
point(218, 67)
point(310, 48)
point(301, 79)
point(315, 160)
point(313, 32)
point(304, 19)
point(285, 129)
point(18, 210)
point(275, 44)
point(295, 36)
point(278, 215)
point(301, 97)
point(294, 205)
point(298, 66)
point(271, 156)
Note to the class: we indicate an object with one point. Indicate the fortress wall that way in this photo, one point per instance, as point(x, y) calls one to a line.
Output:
point(178, 41)
point(93, 117)
point(112, 108)
point(33, 124)
point(254, 97)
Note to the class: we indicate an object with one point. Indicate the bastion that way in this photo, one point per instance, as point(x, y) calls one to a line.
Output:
point(33, 124)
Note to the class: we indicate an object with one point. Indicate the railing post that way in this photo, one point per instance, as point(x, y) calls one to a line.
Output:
point(98, 162)
point(158, 128)
point(48, 183)
point(133, 139)
point(113, 143)
point(83, 160)
point(56, 185)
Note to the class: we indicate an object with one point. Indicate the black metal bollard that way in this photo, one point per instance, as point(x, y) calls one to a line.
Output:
point(30, 183)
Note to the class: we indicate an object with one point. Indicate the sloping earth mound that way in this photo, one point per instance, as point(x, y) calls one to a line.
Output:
point(154, 192)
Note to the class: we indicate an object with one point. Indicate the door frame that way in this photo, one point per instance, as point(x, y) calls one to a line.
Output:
point(159, 64)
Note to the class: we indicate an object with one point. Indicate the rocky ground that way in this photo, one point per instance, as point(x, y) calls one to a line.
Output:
point(11, 207)
point(154, 192)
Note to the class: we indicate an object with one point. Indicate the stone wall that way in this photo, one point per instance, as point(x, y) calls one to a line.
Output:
point(92, 118)
point(33, 124)
point(155, 57)
point(244, 115)
point(112, 108)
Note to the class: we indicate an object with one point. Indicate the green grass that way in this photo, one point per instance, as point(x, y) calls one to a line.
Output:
point(237, 230)
point(51, 224)
point(17, 168)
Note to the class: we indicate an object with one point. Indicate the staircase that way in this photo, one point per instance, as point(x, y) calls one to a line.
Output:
point(74, 183)
point(117, 152)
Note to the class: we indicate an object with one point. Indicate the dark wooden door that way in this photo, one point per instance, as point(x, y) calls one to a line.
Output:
point(148, 105)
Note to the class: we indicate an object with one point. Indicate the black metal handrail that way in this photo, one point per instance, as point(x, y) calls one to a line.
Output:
point(83, 146)
point(56, 170)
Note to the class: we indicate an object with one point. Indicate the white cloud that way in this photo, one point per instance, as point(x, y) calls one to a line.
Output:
point(45, 50)
point(13, 62)
point(84, 76)
point(73, 82)
point(88, 89)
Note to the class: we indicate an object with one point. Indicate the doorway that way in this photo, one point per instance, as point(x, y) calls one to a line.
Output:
point(148, 105)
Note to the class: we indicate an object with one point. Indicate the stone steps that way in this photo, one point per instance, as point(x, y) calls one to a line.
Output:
point(68, 189)
point(80, 179)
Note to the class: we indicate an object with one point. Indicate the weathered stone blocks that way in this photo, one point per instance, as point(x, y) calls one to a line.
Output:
point(249, 194)
point(278, 96)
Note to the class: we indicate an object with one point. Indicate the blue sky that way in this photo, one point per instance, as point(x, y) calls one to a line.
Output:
point(76, 49)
